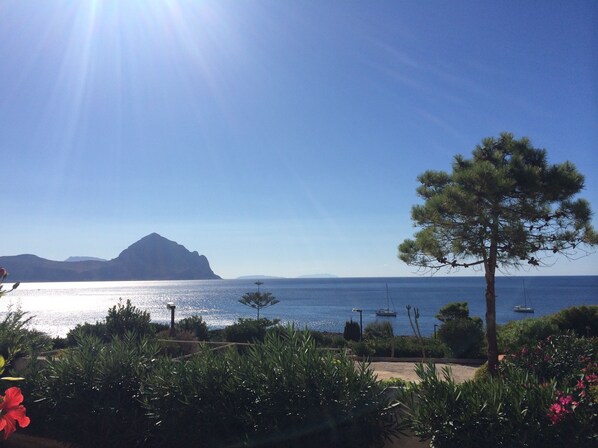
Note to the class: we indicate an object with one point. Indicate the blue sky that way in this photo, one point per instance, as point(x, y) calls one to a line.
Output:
point(275, 137)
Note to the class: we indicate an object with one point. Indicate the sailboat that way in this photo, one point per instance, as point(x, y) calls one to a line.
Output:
point(386, 312)
point(523, 308)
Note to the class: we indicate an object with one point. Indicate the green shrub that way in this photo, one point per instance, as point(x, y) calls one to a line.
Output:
point(352, 331)
point(411, 347)
point(364, 349)
point(378, 330)
point(17, 340)
point(181, 344)
point(194, 324)
point(324, 339)
point(525, 333)
point(452, 311)
point(128, 318)
point(399, 347)
point(509, 411)
point(248, 330)
point(482, 373)
point(157, 327)
point(560, 358)
point(464, 337)
point(81, 331)
point(284, 392)
point(90, 396)
point(380, 347)
point(582, 320)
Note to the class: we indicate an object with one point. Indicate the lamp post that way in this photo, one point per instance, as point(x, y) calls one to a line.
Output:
point(171, 306)
point(360, 311)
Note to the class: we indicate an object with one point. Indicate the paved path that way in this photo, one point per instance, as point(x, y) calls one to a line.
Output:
point(406, 370)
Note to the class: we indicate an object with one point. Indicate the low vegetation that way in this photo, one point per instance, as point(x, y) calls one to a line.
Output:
point(545, 392)
point(284, 391)
point(121, 385)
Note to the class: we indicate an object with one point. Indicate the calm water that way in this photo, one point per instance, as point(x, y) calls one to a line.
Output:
point(320, 304)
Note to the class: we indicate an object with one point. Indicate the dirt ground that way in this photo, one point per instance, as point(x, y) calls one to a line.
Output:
point(406, 370)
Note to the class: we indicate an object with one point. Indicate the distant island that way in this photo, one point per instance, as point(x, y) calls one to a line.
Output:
point(151, 258)
point(258, 277)
point(272, 277)
point(72, 259)
point(318, 276)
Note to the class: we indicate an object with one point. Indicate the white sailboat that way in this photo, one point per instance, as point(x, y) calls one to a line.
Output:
point(523, 308)
point(386, 312)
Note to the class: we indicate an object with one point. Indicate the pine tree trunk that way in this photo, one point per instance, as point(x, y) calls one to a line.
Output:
point(491, 322)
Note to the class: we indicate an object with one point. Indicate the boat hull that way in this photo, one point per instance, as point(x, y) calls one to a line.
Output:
point(523, 309)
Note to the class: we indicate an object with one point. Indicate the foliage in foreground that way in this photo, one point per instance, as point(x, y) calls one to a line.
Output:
point(505, 411)
point(543, 396)
point(90, 396)
point(282, 392)
point(17, 339)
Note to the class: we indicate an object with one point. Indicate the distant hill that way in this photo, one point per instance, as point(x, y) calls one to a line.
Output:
point(151, 258)
point(318, 276)
point(72, 259)
point(258, 277)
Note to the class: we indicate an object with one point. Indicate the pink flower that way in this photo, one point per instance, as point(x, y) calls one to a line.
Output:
point(12, 412)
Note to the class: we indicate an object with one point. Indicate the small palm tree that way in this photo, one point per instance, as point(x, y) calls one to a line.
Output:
point(258, 300)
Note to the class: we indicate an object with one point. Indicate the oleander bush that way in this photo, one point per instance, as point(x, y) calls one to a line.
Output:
point(560, 358)
point(502, 411)
point(89, 396)
point(546, 395)
point(17, 339)
point(283, 392)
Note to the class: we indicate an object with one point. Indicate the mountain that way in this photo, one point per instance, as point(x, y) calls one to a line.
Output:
point(151, 258)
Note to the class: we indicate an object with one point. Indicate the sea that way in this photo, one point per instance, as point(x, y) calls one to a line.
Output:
point(323, 304)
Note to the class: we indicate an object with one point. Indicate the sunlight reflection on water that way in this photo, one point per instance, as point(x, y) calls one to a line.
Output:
point(320, 304)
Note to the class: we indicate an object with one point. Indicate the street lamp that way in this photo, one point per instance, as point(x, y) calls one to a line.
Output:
point(360, 311)
point(171, 306)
